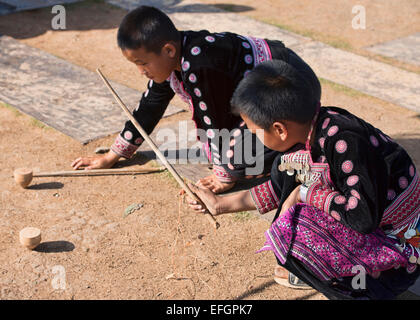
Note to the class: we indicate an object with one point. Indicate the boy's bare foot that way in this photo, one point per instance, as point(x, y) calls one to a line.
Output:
point(214, 184)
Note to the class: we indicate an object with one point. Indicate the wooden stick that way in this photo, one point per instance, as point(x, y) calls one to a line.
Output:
point(162, 158)
point(94, 172)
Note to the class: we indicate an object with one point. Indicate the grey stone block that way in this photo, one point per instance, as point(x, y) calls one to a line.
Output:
point(374, 78)
point(403, 49)
point(66, 97)
point(10, 6)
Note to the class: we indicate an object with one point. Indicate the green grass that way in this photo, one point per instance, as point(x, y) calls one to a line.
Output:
point(243, 216)
point(394, 62)
point(332, 41)
point(33, 122)
point(167, 176)
point(305, 33)
point(343, 89)
point(339, 44)
point(39, 124)
point(15, 111)
point(153, 163)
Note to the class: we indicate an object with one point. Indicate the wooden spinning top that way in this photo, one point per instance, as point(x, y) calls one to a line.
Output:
point(30, 237)
point(23, 176)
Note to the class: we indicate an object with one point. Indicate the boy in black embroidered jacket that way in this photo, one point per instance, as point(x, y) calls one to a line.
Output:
point(204, 69)
point(347, 194)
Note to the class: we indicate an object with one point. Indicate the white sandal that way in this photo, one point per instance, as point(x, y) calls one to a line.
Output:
point(291, 281)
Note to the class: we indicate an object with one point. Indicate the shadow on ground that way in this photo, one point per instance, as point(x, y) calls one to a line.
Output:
point(93, 15)
point(86, 15)
point(411, 144)
point(172, 6)
point(55, 246)
point(256, 290)
point(46, 186)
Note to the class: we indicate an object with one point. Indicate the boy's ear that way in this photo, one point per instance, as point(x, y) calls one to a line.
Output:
point(169, 49)
point(280, 130)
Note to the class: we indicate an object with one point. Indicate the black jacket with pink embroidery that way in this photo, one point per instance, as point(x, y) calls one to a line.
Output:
point(369, 180)
point(212, 66)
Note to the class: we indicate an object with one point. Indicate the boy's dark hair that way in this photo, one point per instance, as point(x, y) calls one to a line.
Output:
point(146, 27)
point(274, 91)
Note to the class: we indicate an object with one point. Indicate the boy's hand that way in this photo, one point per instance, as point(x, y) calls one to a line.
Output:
point(105, 161)
point(292, 199)
point(214, 184)
point(207, 197)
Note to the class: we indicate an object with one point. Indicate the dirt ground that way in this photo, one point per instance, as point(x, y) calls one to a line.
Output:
point(385, 20)
point(330, 21)
point(157, 252)
point(107, 256)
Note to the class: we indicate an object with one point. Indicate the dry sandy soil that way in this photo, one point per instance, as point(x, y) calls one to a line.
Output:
point(385, 20)
point(330, 21)
point(157, 252)
point(107, 256)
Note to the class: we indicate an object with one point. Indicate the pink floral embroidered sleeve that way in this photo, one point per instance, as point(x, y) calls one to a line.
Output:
point(264, 197)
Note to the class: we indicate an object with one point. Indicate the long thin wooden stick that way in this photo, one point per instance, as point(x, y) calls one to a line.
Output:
point(93, 172)
point(162, 158)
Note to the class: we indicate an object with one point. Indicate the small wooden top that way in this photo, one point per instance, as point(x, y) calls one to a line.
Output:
point(22, 171)
point(30, 233)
